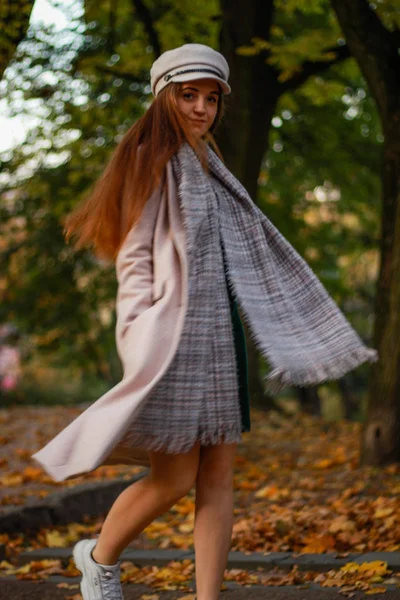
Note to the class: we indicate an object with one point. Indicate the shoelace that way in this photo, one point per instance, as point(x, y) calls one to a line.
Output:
point(111, 586)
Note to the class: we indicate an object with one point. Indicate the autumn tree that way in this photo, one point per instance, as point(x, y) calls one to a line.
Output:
point(373, 36)
point(285, 59)
point(270, 54)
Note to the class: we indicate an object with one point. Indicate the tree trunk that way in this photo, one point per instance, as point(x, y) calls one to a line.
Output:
point(376, 50)
point(309, 399)
point(256, 89)
point(381, 432)
point(243, 135)
point(14, 22)
point(349, 401)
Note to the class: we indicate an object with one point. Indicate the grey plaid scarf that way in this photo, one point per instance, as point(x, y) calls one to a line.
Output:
point(294, 322)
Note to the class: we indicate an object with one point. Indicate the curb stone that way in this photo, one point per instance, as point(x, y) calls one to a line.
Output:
point(319, 562)
point(139, 557)
point(392, 558)
point(236, 560)
point(230, 585)
point(95, 498)
point(66, 506)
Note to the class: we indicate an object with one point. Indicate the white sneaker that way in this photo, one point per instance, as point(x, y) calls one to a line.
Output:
point(99, 582)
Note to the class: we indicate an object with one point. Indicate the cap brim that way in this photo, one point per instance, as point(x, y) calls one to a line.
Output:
point(193, 76)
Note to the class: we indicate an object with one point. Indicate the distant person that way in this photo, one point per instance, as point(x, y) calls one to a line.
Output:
point(10, 358)
point(189, 244)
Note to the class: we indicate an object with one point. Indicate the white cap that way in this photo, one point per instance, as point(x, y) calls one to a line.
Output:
point(188, 62)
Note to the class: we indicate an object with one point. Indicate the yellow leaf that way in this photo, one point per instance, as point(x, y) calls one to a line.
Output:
point(394, 548)
point(378, 567)
point(330, 583)
point(323, 464)
point(12, 480)
point(24, 569)
point(381, 513)
point(377, 590)
point(350, 567)
point(277, 31)
point(32, 473)
point(54, 539)
point(247, 51)
point(254, 472)
point(260, 43)
point(374, 567)
point(184, 507)
point(342, 524)
point(246, 485)
point(328, 56)
point(317, 545)
point(5, 565)
point(186, 527)
point(272, 492)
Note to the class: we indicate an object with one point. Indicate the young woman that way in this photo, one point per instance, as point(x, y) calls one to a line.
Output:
point(188, 244)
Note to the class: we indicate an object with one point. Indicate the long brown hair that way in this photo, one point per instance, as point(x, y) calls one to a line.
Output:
point(115, 204)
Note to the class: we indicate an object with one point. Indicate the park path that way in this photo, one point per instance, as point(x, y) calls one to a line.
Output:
point(24, 590)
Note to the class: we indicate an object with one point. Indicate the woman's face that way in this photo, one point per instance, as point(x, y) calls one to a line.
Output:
point(198, 101)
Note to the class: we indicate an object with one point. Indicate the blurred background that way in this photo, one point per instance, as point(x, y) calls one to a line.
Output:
point(312, 130)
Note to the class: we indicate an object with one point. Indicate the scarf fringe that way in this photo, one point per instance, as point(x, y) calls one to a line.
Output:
point(177, 444)
point(279, 378)
point(303, 373)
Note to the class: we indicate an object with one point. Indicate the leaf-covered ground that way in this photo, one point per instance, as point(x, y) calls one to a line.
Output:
point(298, 488)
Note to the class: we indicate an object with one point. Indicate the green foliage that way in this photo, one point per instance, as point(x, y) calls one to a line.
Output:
point(186, 21)
point(321, 187)
point(301, 7)
point(389, 13)
point(14, 21)
point(66, 387)
point(303, 31)
point(88, 84)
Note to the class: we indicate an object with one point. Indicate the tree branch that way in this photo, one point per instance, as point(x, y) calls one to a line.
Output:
point(145, 16)
point(112, 27)
point(361, 24)
point(373, 46)
point(310, 68)
point(122, 74)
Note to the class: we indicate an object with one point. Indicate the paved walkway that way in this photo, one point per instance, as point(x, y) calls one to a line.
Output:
point(25, 590)
point(11, 587)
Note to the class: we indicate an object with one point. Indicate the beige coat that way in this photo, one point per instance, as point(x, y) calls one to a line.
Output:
point(150, 306)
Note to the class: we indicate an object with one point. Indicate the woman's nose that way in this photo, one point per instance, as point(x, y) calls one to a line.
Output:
point(200, 106)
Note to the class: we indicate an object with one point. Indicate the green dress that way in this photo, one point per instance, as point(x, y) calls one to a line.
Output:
point(241, 357)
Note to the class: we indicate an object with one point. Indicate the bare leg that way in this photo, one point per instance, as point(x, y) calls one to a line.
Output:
point(213, 518)
point(171, 477)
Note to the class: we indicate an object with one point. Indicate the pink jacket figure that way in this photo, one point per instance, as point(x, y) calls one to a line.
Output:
point(173, 302)
point(295, 323)
point(150, 306)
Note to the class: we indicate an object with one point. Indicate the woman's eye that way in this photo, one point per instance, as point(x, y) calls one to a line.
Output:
point(189, 96)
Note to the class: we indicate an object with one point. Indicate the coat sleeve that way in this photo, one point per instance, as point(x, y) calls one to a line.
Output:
point(134, 267)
